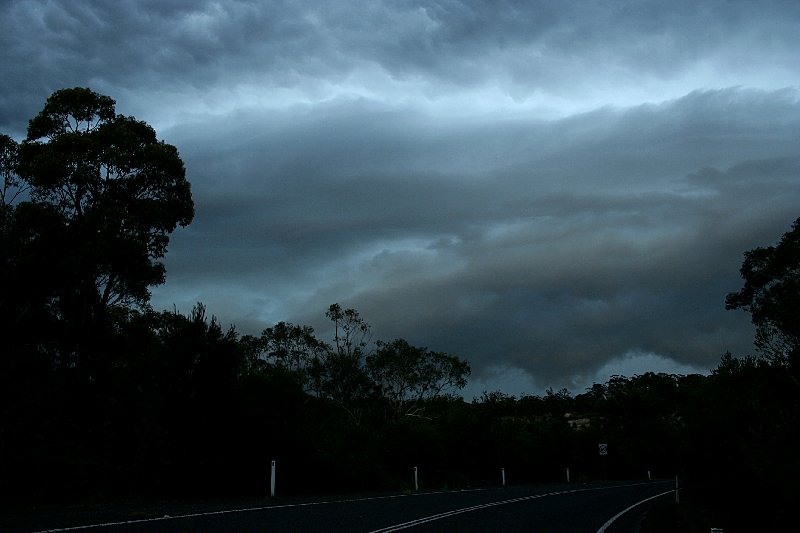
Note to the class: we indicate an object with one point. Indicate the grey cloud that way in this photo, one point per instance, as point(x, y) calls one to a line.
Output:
point(185, 50)
point(590, 238)
point(172, 46)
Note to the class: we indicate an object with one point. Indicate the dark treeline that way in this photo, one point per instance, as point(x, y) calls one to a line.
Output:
point(104, 398)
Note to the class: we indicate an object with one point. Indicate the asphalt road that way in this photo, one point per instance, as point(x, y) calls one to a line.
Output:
point(547, 508)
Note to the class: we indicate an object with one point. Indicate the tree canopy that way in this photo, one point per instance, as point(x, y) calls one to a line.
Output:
point(90, 198)
point(771, 294)
point(119, 192)
point(409, 375)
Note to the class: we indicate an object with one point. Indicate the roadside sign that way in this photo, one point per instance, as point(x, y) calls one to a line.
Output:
point(603, 449)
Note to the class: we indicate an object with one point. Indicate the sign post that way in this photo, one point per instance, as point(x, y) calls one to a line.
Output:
point(603, 449)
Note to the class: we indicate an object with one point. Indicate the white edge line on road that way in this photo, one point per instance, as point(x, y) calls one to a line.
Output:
point(613, 518)
point(244, 510)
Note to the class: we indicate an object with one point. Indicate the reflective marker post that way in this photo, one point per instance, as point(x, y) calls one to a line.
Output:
point(416, 481)
point(272, 481)
point(503, 475)
point(567, 475)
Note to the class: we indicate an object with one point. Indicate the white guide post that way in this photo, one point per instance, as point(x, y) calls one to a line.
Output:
point(416, 480)
point(567, 475)
point(272, 481)
point(503, 475)
point(677, 496)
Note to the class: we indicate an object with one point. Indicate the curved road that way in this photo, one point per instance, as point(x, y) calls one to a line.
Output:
point(547, 508)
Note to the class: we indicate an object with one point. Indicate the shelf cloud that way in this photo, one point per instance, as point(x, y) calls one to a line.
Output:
point(552, 191)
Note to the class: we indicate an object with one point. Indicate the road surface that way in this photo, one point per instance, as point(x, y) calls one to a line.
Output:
point(565, 508)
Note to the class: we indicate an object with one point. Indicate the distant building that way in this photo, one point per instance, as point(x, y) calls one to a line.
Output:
point(577, 422)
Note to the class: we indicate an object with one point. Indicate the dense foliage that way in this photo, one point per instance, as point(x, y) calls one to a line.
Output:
point(105, 398)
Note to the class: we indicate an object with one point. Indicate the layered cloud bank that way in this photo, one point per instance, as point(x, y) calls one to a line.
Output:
point(552, 192)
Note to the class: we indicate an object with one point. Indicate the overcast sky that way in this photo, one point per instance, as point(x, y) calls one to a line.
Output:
point(556, 191)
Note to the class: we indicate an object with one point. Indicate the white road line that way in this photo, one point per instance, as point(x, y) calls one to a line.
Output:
point(611, 520)
point(431, 518)
point(426, 519)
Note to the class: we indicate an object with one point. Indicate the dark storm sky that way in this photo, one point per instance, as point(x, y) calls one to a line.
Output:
point(555, 191)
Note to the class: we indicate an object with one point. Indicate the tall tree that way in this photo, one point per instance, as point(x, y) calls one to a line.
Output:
point(8, 193)
point(291, 346)
point(408, 375)
point(117, 191)
point(342, 376)
point(351, 332)
point(8, 170)
point(771, 294)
